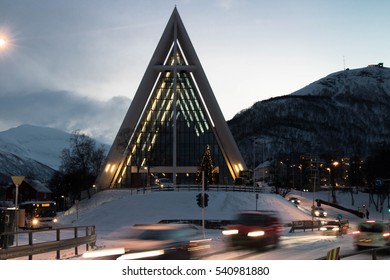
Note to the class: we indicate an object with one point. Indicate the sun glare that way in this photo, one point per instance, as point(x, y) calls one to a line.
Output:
point(3, 43)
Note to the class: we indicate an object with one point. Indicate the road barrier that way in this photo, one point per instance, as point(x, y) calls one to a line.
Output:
point(80, 235)
point(305, 224)
point(179, 188)
point(209, 224)
point(373, 251)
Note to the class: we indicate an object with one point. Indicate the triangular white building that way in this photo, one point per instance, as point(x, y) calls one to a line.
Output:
point(173, 117)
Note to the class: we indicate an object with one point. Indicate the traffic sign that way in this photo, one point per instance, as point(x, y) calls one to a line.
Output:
point(379, 182)
point(17, 180)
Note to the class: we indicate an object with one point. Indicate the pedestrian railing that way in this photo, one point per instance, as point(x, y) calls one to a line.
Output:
point(27, 242)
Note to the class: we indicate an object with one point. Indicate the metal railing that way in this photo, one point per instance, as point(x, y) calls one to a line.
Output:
point(179, 188)
point(54, 240)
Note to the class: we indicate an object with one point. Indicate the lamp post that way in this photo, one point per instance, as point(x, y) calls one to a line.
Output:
point(334, 200)
point(63, 203)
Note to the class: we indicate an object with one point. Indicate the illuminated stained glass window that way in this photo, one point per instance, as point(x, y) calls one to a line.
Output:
point(152, 145)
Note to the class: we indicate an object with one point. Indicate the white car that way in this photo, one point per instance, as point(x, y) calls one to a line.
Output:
point(371, 234)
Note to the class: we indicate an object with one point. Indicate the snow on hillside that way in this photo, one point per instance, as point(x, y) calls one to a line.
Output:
point(361, 81)
point(42, 144)
point(111, 210)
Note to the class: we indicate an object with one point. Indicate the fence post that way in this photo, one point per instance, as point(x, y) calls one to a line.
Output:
point(58, 239)
point(75, 236)
point(87, 234)
point(30, 242)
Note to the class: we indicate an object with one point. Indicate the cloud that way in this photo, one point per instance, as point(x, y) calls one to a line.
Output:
point(64, 110)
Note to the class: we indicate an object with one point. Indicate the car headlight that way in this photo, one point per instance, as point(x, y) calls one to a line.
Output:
point(317, 213)
point(35, 221)
point(141, 255)
point(55, 220)
point(230, 231)
point(256, 233)
point(322, 228)
point(325, 214)
point(335, 229)
point(104, 253)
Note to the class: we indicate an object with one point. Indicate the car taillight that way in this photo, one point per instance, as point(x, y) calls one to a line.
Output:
point(356, 232)
point(386, 235)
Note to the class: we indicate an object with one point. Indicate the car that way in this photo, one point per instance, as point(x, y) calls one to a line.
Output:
point(153, 241)
point(318, 212)
point(165, 184)
point(372, 234)
point(254, 229)
point(294, 200)
point(336, 227)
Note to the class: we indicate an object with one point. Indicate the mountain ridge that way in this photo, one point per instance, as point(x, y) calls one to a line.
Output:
point(344, 113)
point(31, 150)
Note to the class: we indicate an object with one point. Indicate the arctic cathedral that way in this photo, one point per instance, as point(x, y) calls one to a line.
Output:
point(174, 126)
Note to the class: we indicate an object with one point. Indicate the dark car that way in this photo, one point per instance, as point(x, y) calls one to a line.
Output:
point(154, 241)
point(254, 229)
point(294, 200)
point(318, 212)
point(165, 184)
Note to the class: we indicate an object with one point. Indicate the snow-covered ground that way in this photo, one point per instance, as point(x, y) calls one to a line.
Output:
point(113, 210)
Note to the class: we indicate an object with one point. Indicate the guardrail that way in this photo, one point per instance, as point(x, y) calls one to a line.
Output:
point(305, 224)
point(178, 188)
point(64, 238)
point(209, 224)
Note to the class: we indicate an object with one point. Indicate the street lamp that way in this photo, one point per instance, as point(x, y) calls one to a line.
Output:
point(63, 203)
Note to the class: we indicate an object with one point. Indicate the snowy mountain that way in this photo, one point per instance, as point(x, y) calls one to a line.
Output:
point(345, 113)
point(31, 151)
point(42, 144)
point(13, 165)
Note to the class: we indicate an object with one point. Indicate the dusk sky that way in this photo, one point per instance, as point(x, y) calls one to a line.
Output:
point(76, 64)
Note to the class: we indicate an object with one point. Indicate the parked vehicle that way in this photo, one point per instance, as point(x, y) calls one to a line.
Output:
point(254, 229)
point(165, 184)
point(154, 241)
point(371, 234)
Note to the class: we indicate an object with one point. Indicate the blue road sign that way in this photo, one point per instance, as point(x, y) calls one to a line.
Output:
point(378, 182)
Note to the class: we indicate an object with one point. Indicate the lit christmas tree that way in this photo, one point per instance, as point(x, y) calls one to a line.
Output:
point(207, 166)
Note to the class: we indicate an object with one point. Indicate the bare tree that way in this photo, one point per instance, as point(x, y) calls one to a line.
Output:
point(81, 164)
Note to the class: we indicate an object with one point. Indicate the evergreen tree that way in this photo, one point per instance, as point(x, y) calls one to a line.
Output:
point(207, 166)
